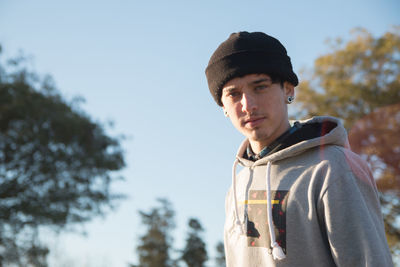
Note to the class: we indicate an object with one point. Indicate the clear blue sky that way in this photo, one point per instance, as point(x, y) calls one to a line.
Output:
point(141, 64)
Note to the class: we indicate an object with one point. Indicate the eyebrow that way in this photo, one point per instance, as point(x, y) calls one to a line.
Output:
point(260, 81)
point(231, 88)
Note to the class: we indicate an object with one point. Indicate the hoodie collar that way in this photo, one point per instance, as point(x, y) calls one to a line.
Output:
point(331, 131)
point(273, 147)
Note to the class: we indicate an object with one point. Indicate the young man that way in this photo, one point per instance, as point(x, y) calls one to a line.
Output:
point(303, 198)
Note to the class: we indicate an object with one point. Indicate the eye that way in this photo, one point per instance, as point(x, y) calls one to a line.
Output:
point(233, 94)
point(260, 87)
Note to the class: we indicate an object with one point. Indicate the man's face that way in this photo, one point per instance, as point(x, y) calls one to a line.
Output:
point(257, 107)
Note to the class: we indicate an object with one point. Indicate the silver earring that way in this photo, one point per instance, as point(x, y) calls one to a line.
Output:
point(290, 99)
point(226, 114)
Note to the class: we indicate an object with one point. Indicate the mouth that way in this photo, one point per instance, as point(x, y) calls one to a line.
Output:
point(253, 122)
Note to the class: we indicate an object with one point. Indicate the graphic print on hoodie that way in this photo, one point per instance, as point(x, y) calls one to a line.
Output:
point(257, 221)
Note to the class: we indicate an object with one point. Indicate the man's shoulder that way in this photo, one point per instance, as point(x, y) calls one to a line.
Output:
point(337, 157)
point(347, 164)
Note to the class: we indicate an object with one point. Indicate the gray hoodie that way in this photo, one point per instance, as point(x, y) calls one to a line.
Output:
point(321, 198)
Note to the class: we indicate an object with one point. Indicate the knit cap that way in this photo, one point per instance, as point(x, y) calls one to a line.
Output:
point(247, 53)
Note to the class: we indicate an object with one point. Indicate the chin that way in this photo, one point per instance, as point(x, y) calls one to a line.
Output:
point(258, 137)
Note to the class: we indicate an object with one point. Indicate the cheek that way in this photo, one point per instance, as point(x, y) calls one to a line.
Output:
point(278, 97)
point(276, 100)
point(234, 116)
point(233, 110)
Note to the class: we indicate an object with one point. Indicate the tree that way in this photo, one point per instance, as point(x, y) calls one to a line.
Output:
point(220, 256)
point(376, 136)
point(355, 79)
point(55, 164)
point(194, 254)
point(154, 246)
point(359, 81)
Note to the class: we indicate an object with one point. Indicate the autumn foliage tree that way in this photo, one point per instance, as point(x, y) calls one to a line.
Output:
point(56, 164)
point(359, 82)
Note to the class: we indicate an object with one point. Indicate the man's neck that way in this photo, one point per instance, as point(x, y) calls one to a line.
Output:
point(258, 145)
point(271, 147)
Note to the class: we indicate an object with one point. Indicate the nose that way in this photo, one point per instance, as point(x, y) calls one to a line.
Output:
point(248, 102)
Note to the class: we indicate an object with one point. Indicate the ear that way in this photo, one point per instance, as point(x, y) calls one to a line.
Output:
point(225, 112)
point(288, 89)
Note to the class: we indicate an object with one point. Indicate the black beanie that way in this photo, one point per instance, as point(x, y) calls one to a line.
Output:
point(247, 53)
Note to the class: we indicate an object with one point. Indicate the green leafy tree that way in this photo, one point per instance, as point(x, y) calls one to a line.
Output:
point(359, 81)
point(155, 245)
point(194, 254)
point(220, 256)
point(55, 164)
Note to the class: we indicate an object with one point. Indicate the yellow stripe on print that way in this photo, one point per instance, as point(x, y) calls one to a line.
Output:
point(274, 201)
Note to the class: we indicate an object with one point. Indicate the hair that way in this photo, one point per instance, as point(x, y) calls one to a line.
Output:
point(276, 78)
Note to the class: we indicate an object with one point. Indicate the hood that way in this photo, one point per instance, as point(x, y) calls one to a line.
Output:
point(317, 131)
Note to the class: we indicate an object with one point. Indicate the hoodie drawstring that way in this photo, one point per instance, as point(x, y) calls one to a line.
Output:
point(238, 223)
point(277, 251)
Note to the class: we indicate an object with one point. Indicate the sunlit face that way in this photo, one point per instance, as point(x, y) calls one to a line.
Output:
point(257, 107)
